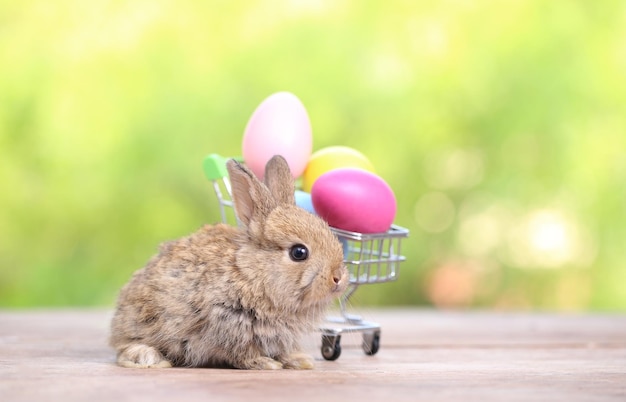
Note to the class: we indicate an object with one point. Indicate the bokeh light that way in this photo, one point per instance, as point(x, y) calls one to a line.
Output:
point(547, 238)
point(454, 169)
point(434, 212)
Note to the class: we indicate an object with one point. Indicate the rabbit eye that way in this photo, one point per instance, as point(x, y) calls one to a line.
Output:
point(298, 252)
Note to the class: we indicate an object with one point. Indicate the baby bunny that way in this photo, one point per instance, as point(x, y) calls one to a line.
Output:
point(235, 297)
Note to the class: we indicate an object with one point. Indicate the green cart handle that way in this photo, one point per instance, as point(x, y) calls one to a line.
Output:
point(214, 166)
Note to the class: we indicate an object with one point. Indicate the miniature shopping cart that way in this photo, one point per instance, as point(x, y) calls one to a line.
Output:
point(370, 258)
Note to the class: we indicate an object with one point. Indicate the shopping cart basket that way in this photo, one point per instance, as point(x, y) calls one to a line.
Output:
point(370, 258)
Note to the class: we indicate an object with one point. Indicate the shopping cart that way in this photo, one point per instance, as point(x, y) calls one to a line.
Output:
point(370, 258)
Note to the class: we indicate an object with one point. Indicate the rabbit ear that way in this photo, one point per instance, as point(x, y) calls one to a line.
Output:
point(279, 180)
point(251, 199)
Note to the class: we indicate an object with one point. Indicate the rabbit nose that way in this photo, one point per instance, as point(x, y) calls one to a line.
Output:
point(339, 279)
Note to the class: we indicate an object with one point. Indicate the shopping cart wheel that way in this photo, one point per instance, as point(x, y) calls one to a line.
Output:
point(331, 346)
point(371, 342)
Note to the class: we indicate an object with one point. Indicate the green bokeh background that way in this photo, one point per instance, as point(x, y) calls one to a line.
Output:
point(501, 126)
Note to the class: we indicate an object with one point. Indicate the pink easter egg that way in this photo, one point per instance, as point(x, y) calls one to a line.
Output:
point(354, 200)
point(280, 125)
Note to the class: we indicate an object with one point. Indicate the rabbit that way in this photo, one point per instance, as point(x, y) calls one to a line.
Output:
point(238, 297)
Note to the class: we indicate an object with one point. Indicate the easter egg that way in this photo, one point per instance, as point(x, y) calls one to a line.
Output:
point(303, 200)
point(280, 125)
point(329, 158)
point(354, 200)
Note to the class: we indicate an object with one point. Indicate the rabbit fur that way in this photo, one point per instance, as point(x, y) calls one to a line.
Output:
point(234, 296)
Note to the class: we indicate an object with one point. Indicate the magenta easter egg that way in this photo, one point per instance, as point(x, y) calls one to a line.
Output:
point(354, 200)
point(280, 125)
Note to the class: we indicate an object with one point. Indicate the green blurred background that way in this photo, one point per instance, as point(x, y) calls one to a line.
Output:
point(501, 126)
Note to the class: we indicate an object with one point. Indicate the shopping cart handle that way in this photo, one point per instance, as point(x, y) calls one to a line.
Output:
point(214, 166)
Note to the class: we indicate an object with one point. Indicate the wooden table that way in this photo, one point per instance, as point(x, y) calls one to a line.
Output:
point(424, 355)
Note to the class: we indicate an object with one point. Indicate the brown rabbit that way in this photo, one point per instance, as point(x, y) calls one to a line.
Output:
point(236, 297)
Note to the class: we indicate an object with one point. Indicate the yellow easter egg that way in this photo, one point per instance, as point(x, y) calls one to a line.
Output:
point(330, 158)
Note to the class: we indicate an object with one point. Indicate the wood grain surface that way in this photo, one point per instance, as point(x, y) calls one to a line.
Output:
point(50, 355)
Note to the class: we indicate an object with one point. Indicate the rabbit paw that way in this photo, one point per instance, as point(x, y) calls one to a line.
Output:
point(298, 361)
point(142, 356)
point(261, 363)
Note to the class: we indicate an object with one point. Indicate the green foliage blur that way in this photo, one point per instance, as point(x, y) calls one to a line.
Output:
point(500, 125)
